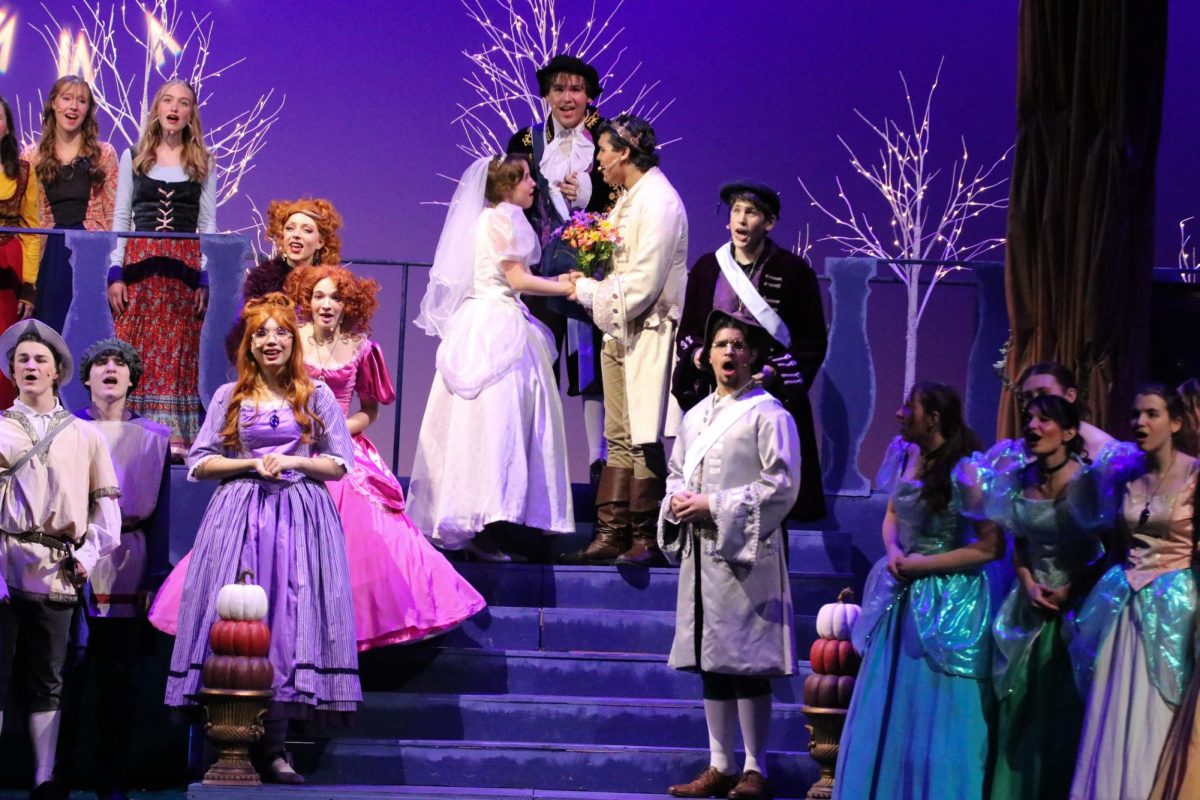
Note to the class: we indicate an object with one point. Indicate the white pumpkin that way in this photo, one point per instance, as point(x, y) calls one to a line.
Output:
point(242, 600)
point(836, 620)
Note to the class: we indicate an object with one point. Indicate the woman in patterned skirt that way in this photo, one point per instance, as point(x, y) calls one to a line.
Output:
point(158, 289)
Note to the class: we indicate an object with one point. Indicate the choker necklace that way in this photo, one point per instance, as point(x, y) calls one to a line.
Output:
point(1144, 517)
point(1045, 473)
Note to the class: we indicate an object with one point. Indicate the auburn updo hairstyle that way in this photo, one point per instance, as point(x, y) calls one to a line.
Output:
point(504, 174)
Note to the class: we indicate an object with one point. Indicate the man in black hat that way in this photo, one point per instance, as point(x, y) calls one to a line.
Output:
point(562, 154)
point(751, 275)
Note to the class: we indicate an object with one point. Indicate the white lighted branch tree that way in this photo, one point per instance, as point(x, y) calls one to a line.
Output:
point(521, 36)
point(921, 227)
point(1187, 253)
point(127, 51)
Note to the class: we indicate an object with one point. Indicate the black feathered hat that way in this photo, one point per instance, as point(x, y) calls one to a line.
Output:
point(571, 66)
point(768, 198)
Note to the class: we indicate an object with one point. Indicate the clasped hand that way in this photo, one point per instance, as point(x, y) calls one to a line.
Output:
point(272, 465)
point(571, 277)
point(691, 507)
point(904, 567)
point(1043, 598)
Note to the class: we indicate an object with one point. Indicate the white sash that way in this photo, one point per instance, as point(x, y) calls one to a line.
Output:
point(717, 428)
point(754, 302)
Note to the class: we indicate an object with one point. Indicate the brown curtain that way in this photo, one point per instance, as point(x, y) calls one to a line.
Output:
point(1081, 212)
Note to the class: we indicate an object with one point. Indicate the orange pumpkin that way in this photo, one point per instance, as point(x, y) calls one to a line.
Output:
point(239, 638)
point(834, 657)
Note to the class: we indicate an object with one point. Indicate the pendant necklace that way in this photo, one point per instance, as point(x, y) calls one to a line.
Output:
point(274, 421)
point(1144, 517)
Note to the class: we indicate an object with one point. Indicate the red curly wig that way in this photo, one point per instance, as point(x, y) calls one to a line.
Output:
point(358, 294)
point(321, 211)
point(297, 385)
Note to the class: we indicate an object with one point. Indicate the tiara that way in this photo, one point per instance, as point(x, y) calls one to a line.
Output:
point(626, 134)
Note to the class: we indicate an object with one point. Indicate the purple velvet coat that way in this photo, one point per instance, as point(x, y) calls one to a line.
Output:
point(789, 286)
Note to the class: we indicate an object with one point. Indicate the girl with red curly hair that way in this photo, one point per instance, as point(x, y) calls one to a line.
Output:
point(304, 234)
point(404, 589)
point(273, 438)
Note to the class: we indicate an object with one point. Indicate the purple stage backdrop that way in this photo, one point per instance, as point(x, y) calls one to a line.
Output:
point(760, 89)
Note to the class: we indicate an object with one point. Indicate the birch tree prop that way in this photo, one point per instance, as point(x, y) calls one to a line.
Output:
point(126, 51)
point(1187, 253)
point(520, 37)
point(921, 228)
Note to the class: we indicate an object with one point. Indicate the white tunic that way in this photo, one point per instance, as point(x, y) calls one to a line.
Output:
point(69, 492)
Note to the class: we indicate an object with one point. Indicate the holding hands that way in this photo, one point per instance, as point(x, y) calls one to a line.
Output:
point(1043, 598)
point(570, 277)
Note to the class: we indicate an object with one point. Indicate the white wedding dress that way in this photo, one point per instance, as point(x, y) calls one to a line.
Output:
point(492, 446)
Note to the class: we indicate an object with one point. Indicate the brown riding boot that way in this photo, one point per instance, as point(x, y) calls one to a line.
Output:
point(645, 497)
point(612, 519)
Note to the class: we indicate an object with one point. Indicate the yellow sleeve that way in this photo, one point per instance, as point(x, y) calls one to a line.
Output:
point(31, 244)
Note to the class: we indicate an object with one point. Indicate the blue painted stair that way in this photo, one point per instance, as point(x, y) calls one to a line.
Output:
point(560, 689)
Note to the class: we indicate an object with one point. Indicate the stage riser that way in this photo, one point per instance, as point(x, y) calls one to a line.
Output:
point(574, 629)
point(616, 588)
point(816, 551)
point(274, 792)
point(526, 718)
point(466, 671)
point(504, 765)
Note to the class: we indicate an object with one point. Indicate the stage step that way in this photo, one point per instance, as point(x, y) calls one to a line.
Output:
point(559, 719)
point(459, 670)
point(808, 550)
point(312, 791)
point(615, 588)
point(582, 629)
point(523, 765)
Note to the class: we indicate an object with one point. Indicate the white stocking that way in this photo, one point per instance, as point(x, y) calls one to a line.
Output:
point(754, 714)
point(593, 425)
point(721, 716)
point(43, 732)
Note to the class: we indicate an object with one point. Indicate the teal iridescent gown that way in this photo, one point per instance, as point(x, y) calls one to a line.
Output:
point(1133, 648)
point(918, 723)
point(1040, 712)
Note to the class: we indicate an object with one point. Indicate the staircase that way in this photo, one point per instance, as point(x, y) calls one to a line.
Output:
point(560, 689)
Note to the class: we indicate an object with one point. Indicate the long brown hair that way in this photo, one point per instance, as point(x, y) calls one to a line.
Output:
point(48, 163)
point(196, 158)
point(937, 486)
point(297, 386)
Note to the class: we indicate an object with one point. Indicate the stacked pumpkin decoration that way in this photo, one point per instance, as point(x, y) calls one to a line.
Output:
point(833, 659)
point(240, 639)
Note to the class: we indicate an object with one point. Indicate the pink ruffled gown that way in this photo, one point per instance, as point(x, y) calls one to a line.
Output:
point(404, 590)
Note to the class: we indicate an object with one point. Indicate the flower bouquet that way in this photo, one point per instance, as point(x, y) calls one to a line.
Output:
point(593, 238)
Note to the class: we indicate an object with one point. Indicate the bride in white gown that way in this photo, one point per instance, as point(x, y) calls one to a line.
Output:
point(492, 446)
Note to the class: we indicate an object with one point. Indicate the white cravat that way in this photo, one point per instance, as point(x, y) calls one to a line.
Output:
point(570, 153)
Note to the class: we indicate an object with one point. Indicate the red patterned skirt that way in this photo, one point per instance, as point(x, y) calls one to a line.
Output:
point(12, 266)
point(161, 322)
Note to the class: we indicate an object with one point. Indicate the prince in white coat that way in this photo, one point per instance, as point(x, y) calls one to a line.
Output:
point(636, 305)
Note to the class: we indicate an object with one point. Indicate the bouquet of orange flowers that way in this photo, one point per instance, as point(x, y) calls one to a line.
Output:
point(593, 238)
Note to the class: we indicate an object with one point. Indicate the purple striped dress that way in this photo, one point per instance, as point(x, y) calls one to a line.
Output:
point(289, 533)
